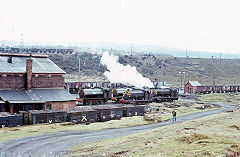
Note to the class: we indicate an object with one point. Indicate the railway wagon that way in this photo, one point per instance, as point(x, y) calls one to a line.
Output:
point(81, 115)
point(9, 120)
point(217, 89)
point(75, 86)
point(94, 96)
point(234, 88)
point(108, 112)
point(204, 89)
point(44, 116)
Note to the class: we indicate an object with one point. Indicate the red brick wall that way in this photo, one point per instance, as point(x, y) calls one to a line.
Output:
point(20, 82)
point(44, 81)
point(188, 87)
point(61, 105)
point(12, 81)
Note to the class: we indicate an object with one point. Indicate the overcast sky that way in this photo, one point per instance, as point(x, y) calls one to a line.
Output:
point(208, 25)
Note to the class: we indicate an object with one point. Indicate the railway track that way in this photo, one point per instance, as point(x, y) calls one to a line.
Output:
point(58, 144)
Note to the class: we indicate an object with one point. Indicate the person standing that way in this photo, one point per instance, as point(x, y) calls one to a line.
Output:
point(174, 113)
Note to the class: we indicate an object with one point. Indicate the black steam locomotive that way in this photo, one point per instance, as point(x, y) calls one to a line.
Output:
point(117, 93)
point(94, 96)
point(142, 96)
point(137, 96)
point(165, 94)
point(99, 95)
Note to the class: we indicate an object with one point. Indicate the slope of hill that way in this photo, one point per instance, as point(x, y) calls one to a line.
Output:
point(157, 68)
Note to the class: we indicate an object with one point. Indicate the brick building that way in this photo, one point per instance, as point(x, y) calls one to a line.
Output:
point(191, 86)
point(32, 82)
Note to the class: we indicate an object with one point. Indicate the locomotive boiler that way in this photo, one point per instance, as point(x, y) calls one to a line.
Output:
point(165, 94)
point(137, 96)
point(93, 96)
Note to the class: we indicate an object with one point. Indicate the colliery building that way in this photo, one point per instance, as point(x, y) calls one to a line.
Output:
point(32, 82)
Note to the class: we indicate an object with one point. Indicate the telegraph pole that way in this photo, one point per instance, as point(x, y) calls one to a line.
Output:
point(181, 78)
point(79, 64)
point(213, 73)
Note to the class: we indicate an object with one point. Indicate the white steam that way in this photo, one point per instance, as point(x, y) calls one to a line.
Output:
point(119, 73)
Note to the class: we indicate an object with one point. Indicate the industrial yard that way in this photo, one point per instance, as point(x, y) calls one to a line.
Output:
point(122, 78)
point(191, 131)
point(78, 118)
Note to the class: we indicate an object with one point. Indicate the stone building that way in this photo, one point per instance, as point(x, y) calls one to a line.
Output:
point(30, 82)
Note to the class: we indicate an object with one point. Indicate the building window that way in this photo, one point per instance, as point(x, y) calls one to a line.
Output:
point(48, 106)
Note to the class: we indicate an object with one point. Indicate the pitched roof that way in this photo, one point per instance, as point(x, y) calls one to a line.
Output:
point(41, 64)
point(194, 83)
point(35, 95)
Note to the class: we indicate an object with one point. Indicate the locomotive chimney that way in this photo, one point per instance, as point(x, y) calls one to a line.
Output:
point(29, 72)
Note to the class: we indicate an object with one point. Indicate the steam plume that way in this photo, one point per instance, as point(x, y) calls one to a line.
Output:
point(123, 74)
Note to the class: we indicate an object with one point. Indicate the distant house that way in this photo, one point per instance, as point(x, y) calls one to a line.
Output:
point(32, 82)
point(191, 86)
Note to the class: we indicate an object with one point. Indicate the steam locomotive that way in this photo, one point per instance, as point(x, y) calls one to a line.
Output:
point(137, 96)
point(94, 96)
point(117, 93)
point(126, 95)
point(165, 94)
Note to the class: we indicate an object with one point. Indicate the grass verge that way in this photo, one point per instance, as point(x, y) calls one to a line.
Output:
point(215, 135)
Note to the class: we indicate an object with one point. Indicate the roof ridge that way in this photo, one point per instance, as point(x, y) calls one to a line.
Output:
point(24, 55)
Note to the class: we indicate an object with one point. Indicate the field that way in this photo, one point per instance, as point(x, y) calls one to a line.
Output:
point(228, 98)
point(164, 113)
point(215, 135)
point(209, 136)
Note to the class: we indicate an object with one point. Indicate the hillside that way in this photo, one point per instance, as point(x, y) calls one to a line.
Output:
point(157, 68)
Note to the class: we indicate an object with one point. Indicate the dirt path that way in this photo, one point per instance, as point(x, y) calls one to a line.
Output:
point(57, 144)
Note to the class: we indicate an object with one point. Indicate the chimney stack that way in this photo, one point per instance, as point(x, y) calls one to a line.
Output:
point(29, 72)
point(9, 59)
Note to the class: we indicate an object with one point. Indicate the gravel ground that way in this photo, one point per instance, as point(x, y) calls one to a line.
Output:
point(58, 144)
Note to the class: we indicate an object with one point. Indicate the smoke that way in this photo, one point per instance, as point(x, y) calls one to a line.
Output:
point(123, 74)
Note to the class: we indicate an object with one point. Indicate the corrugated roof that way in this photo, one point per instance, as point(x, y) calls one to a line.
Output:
point(53, 94)
point(75, 95)
point(36, 95)
point(18, 95)
point(194, 83)
point(18, 65)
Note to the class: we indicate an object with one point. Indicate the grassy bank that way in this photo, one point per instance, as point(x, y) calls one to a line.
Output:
point(214, 135)
point(228, 98)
